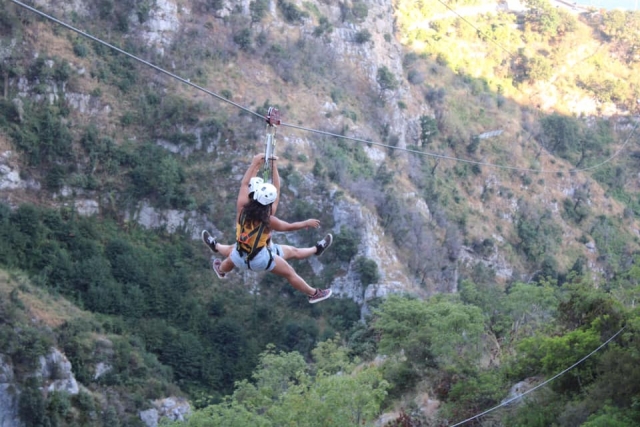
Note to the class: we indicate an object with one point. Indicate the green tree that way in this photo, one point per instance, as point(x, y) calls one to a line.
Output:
point(350, 400)
point(274, 376)
point(228, 414)
point(283, 392)
point(610, 417)
point(435, 331)
point(539, 234)
point(530, 307)
point(542, 16)
point(331, 357)
point(549, 355)
point(428, 130)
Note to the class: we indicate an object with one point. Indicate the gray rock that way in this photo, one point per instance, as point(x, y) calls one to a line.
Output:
point(9, 394)
point(55, 370)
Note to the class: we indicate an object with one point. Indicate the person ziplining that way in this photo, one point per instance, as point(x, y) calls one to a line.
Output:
point(256, 206)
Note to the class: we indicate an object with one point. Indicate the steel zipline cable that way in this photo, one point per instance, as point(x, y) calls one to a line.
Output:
point(316, 131)
point(542, 384)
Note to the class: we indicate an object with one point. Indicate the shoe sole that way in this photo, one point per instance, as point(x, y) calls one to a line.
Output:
point(321, 299)
point(213, 266)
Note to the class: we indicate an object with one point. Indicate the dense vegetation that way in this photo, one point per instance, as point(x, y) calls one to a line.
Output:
point(154, 287)
point(537, 330)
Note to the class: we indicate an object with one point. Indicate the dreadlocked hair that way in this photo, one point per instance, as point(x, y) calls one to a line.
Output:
point(256, 212)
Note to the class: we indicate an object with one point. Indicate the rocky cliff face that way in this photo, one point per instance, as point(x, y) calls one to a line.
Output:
point(163, 21)
point(8, 395)
point(53, 373)
point(159, 25)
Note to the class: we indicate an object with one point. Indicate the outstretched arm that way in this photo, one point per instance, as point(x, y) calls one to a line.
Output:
point(252, 170)
point(277, 224)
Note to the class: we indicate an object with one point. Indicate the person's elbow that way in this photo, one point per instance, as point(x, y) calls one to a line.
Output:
point(281, 226)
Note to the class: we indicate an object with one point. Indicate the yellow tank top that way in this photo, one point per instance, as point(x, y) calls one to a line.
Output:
point(247, 233)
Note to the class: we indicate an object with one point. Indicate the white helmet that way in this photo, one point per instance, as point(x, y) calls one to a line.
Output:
point(266, 194)
point(254, 183)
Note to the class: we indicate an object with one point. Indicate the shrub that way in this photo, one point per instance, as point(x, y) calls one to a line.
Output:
point(143, 10)
point(80, 49)
point(292, 14)
point(213, 4)
point(44, 136)
point(360, 10)
point(386, 79)
point(415, 77)
point(55, 178)
point(363, 36)
point(59, 404)
point(435, 96)
point(442, 59)
point(324, 26)
point(368, 270)
point(258, 9)
point(31, 406)
point(8, 112)
point(345, 244)
point(537, 68)
point(243, 38)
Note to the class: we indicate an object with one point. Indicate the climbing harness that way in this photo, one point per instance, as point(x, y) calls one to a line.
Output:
point(250, 241)
point(273, 121)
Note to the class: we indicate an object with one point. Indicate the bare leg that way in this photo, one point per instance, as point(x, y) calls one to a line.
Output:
point(289, 252)
point(227, 265)
point(283, 269)
point(224, 250)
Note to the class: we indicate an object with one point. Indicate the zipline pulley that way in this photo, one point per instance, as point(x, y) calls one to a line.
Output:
point(273, 121)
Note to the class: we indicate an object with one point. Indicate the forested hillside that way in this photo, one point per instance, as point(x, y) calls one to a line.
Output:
point(476, 162)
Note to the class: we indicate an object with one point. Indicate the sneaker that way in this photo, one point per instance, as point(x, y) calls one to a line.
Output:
point(323, 244)
point(209, 240)
point(320, 295)
point(216, 267)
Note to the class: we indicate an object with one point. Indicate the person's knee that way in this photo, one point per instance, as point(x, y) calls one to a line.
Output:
point(287, 251)
point(296, 253)
point(227, 265)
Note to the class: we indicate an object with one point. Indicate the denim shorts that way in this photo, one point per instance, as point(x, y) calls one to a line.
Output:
point(277, 250)
point(259, 263)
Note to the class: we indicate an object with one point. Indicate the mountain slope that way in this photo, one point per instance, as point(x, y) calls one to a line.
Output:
point(470, 176)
